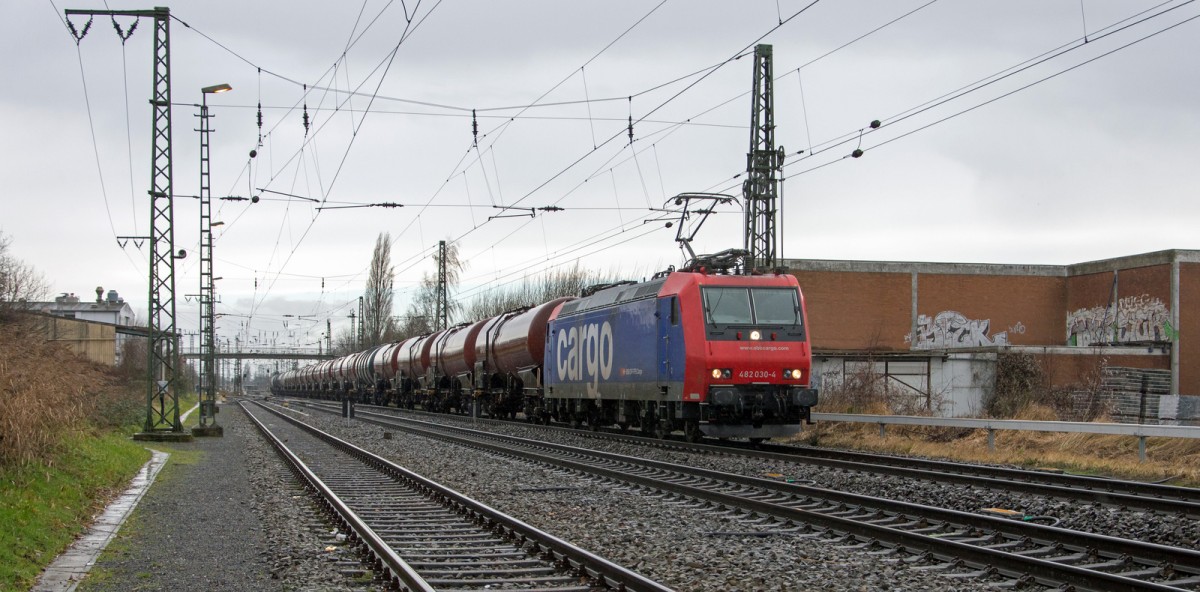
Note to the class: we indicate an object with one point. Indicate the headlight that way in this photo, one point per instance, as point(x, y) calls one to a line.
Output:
point(755, 335)
point(796, 374)
point(716, 373)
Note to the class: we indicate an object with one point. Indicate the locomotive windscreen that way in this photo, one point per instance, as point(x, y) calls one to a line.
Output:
point(751, 306)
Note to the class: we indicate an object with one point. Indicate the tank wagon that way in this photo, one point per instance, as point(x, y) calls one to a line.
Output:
point(714, 355)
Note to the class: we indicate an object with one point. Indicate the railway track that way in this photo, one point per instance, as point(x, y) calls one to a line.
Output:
point(962, 544)
point(421, 536)
point(1115, 492)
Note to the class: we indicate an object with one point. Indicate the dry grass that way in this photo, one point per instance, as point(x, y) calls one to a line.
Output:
point(1167, 458)
point(865, 392)
point(46, 394)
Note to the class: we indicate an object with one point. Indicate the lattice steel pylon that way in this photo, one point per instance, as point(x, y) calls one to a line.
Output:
point(162, 408)
point(162, 402)
point(208, 379)
point(441, 313)
point(763, 165)
point(207, 387)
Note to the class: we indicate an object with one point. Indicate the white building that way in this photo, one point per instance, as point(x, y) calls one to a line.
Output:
point(109, 309)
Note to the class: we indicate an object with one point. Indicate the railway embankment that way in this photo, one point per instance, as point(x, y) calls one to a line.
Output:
point(64, 450)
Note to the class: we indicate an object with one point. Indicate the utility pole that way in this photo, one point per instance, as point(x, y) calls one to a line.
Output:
point(208, 320)
point(162, 400)
point(353, 329)
point(441, 313)
point(362, 324)
point(763, 163)
point(328, 336)
point(237, 366)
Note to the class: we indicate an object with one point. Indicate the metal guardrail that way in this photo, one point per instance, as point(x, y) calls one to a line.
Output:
point(1140, 431)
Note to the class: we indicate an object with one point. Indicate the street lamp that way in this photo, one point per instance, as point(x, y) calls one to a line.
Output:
point(216, 88)
point(208, 380)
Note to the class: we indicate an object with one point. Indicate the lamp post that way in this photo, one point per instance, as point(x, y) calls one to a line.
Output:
point(208, 379)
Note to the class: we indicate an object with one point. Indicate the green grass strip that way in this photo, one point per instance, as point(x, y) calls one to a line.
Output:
point(43, 507)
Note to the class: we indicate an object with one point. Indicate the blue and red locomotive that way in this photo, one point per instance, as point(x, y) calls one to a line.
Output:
point(719, 355)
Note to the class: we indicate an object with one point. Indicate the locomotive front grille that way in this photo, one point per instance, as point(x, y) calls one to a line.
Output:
point(758, 404)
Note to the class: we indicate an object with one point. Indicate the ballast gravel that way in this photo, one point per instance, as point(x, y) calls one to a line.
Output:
point(672, 541)
point(1164, 529)
point(225, 514)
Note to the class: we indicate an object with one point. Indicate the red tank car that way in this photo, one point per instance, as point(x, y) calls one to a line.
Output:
point(367, 378)
point(508, 360)
point(404, 378)
point(422, 362)
point(520, 342)
point(457, 359)
point(326, 378)
point(404, 355)
point(385, 363)
point(441, 392)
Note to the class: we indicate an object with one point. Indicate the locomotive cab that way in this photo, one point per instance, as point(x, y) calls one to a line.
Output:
point(757, 363)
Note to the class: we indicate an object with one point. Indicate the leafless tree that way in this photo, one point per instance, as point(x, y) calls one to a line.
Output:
point(535, 290)
point(19, 282)
point(345, 342)
point(419, 317)
point(378, 324)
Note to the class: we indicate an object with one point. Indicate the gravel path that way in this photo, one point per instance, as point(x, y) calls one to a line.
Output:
point(224, 514)
point(669, 542)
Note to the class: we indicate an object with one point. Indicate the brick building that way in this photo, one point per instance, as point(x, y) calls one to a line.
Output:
point(938, 328)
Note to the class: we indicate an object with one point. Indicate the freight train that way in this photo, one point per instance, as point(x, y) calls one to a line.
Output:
point(697, 351)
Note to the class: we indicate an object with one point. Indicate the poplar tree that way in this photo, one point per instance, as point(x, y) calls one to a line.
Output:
point(377, 322)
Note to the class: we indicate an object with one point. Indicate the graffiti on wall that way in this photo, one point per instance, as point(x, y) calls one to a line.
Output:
point(950, 329)
point(1134, 319)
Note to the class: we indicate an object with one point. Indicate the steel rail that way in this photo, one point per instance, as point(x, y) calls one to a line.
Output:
point(1079, 427)
point(603, 570)
point(1151, 496)
point(1012, 565)
point(1123, 493)
point(397, 571)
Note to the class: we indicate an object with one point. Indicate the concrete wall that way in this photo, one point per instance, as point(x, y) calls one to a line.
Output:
point(94, 341)
point(1179, 410)
point(965, 379)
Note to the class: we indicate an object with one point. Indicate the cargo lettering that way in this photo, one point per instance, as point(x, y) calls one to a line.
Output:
point(585, 353)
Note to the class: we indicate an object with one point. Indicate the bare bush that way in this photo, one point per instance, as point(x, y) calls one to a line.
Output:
point(19, 282)
point(1023, 382)
point(535, 290)
point(863, 388)
point(1019, 379)
point(47, 393)
point(1085, 399)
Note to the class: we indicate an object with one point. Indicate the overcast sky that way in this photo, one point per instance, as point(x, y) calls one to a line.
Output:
point(1096, 161)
